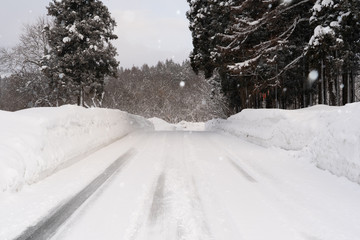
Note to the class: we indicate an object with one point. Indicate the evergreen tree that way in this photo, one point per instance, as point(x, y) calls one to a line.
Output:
point(334, 48)
point(81, 53)
point(259, 43)
point(207, 19)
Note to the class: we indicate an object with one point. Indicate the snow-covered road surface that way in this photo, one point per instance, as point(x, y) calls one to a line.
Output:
point(206, 185)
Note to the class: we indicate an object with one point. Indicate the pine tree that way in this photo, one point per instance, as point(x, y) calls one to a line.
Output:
point(334, 47)
point(254, 47)
point(207, 19)
point(81, 53)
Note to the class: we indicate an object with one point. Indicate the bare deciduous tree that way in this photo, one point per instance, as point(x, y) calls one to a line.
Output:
point(22, 64)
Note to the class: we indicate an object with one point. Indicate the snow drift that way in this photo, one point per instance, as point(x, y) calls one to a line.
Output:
point(329, 136)
point(162, 125)
point(36, 142)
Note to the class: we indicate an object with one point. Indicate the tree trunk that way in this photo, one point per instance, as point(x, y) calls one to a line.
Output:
point(276, 98)
point(344, 89)
point(276, 89)
point(337, 89)
point(80, 100)
point(246, 97)
point(337, 83)
point(322, 88)
point(256, 100)
point(353, 87)
point(304, 84)
point(332, 96)
point(348, 88)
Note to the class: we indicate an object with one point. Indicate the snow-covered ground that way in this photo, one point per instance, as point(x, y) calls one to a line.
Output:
point(194, 185)
point(37, 142)
point(248, 177)
point(161, 125)
point(328, 136)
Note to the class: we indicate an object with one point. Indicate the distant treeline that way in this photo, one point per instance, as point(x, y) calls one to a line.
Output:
point(169, 90)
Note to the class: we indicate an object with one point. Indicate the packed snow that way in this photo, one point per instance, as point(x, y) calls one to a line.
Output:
point(162, 125)
point(328, 136)
point(37, 142)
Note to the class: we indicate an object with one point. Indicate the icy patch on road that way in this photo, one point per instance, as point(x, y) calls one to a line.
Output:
point(36, 142)
point(329, 136)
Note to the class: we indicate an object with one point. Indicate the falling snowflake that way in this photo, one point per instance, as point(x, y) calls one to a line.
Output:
point(313, 75)
point(182, 84)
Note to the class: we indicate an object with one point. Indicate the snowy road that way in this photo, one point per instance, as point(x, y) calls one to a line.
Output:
point(205, 185)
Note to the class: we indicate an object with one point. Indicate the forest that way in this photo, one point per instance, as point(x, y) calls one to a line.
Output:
point(288, 54)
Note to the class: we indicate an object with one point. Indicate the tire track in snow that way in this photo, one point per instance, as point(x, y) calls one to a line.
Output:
point(48, 226)
point(157, 206)
point(176, 211)
point(204, 158)
point(172, 208)
point(137, 220)
point(242, 171)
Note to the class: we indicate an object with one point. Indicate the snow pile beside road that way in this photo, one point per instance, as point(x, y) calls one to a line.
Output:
point(35, 143)
point(162, 125)
point(190, 126)
point(329, 136)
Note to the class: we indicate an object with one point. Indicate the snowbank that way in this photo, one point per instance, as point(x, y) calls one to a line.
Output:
point(329, 136)
point(162, 125)
point(190, 126)
point(34, 143)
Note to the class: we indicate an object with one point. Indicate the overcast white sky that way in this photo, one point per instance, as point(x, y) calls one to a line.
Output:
point(148, 31)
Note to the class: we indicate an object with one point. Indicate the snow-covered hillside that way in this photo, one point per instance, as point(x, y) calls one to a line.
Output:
point(35, 143)
point(328, 136)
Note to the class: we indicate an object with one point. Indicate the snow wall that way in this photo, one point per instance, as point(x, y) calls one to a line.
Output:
point(329, 136)
point(162, 125)
point(34, 143)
